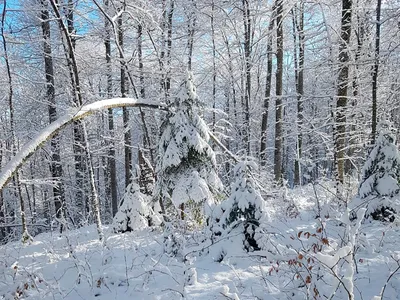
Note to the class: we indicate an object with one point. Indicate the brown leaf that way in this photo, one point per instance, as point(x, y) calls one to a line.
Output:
point(325, 241)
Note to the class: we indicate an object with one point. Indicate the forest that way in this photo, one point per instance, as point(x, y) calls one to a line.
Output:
point(199, 149)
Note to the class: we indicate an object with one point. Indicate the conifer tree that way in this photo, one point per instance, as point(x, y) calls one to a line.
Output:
point(379, 188)
point(243, 210)
point(187, 181)
point(133, 214)
point(146, 174)
point(244, 206)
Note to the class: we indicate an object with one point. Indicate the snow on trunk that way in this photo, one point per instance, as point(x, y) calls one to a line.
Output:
point(72, 115)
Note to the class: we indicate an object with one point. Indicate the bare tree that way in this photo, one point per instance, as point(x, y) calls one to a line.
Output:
point(111, 165)
point(299, 42)
point(267, 94)
point(375, 70)
point(55, 165)
point(247, 62)
point(70, 54)
point(25, 234)
point(342, 87)
point(278, 91)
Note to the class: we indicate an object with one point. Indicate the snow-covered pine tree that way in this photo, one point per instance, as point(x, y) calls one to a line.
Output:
point(379, 188)
point(146, 174)
point(187, 181)
point(133, 213)
point(244, 207)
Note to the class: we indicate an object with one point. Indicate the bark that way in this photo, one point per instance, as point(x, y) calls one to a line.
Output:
point(232, 83)
point(214, 77)
point(247, 57)
point(353, 138)
point(343, 82)
point(191, 29)
point(111, 165)
point(55, 165)
point(125, 112)
point(169, 49)
point(278, 91)
point(299, 41)
point(70, 41)
point(267, 95)
point(25, 234)
point(375, 71)
point(146, 136)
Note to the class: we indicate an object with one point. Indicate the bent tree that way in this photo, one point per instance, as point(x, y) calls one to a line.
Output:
point(74, 115)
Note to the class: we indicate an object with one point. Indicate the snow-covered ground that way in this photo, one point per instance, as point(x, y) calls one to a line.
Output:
point(75, 265)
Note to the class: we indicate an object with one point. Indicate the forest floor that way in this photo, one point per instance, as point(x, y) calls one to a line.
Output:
point(75, 265)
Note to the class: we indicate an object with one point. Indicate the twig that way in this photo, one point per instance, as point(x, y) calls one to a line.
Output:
point(390, 276)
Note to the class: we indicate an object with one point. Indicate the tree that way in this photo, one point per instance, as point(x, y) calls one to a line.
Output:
point(111, 164)
point(55, 166)
point(244, 207)
point(278, 92)
point(247, 56)
point(25, 234)
point(376, 69)
point(267, 95)
point(186, 176)
point(342, 86)
point(299, 41)
point(146, 174)
point(134, 210)
point(379, 188)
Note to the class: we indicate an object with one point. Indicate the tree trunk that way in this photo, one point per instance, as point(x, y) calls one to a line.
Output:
point(247, 57)
point(55, 165)
point(214, 77)
point(125, 112)
point(343, 82)
point(25, 234)
point(299, 41)
point(111, 165)
point(278, 91)
point(70, 48)
point(146, 136)
point(169, 49)
point(267, 95)
point(191, 28)
point(375, 71)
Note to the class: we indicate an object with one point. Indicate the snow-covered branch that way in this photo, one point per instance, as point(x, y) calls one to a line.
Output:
point(74, 114)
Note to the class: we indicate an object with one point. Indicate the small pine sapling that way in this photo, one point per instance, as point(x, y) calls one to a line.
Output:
point(243, 208)
point(133, 213)
point(379, 188)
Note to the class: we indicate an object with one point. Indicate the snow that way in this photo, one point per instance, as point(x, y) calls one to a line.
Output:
point(133, 265)
point(186, 165)
point(72, 115)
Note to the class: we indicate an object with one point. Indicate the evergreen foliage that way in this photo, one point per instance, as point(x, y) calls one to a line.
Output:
point(243, 209)
point(379, 188)
point(146, 174)
point(186, 175)
point(134, 212)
